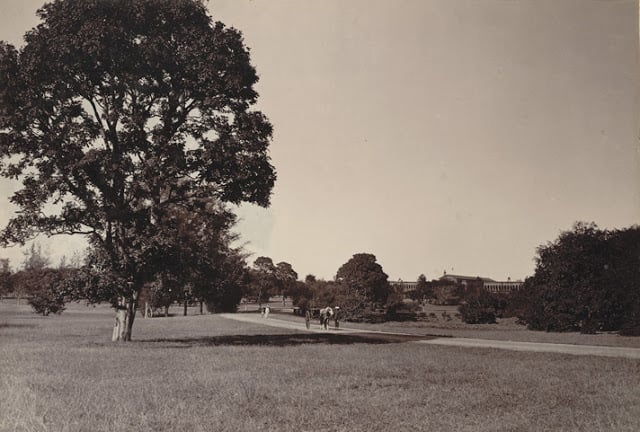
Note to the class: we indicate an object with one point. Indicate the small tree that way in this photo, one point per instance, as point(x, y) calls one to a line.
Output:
point(47, 288)
point(481, 308)
point(230, 283)
point(5, 277)
point(263, 281)
point(301, 295)
point(398, 308)
point(423, 289)
point(25, 282)
point(286, 277)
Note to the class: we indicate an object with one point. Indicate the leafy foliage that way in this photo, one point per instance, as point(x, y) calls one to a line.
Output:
point(262, 280)
point(482, 308)
point(46, 288)
point(286, 277)
point(5, 277)
point(116, 114)
point(424, 289)
point(587, 280)
point(365, 278)
point(227, 288)
point(400, 309)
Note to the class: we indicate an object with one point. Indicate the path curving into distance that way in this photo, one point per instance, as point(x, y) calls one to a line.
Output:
point(592, 350)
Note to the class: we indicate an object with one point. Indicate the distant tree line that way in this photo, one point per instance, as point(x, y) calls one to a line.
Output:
point(587, 280)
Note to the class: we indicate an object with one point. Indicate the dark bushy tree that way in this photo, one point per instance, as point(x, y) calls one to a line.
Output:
point(286, 278)
point(302, 293)
point(47, 289)
point(482, 308)
point(365, 278)
point(587, 280)
point(263, 282)
point(399, 308)
point(424, 289)
point(5, 277)
point(228, 284)
point(118, 111)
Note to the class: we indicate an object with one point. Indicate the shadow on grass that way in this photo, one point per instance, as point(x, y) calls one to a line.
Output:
point(282, 340)
point(9, 326)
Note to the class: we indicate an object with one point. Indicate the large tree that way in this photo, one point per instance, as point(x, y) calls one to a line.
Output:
point(115, 112)
point(365, 278)
point(587, 279)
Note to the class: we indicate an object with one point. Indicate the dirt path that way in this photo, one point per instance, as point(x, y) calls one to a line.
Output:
point(632, 353)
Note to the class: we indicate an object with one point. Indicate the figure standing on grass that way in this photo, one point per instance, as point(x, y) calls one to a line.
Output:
point(307, 318)
point(266, 311)
point(336, 312)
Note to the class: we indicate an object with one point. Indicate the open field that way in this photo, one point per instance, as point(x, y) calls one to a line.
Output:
point(202, 373)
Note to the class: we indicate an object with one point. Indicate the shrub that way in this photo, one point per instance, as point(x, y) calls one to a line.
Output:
point(46, 288)
point(587, 280)
point(400, 309)
point(46, 302)
point(481, 308)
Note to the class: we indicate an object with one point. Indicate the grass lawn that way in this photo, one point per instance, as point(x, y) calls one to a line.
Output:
point(205, 373)
point(505, 329)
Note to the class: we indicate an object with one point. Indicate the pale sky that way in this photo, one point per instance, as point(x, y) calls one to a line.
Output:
point(436, 134)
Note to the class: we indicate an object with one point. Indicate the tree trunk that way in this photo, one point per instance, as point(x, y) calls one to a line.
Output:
point(166, 311)
point(125, 315)
point(201, 307)
point(185, 307)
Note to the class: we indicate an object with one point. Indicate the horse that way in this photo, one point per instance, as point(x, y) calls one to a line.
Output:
point(325, 315)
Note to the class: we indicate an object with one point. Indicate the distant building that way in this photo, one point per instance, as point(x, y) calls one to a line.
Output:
point(503, 287)
point(404, 286)
point(449, 281)
point(464, 280)
point(484, 283)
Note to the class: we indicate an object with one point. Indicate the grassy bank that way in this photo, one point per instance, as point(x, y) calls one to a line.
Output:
point(202, 373)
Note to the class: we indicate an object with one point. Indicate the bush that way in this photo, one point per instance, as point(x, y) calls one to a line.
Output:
point(587, 280)
point(46, 288)
point(399, 309)
point(482, 308)
point(47, 302)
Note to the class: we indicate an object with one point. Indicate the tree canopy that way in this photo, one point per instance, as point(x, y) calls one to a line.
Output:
point(588, 280)
point(116, 113)
point(263, 281)
point(365, 278)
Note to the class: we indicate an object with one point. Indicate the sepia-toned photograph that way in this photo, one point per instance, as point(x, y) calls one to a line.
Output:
point(319, 215)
